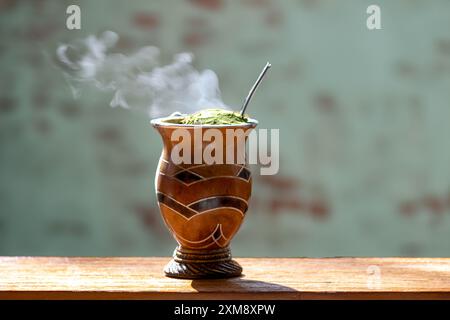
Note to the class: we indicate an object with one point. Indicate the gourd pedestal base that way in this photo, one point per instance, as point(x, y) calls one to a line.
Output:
point(202, 264)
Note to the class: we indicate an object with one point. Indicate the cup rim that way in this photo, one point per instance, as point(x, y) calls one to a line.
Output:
point(160, 122)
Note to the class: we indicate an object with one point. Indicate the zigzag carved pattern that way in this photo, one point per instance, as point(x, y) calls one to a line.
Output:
point(218, 202)
point(203, 189)
point(203, 204)
point(193, 173)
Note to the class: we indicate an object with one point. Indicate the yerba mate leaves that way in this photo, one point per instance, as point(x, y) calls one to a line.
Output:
point(214, 116)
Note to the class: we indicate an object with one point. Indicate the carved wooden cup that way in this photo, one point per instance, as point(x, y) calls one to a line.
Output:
point(203, 202)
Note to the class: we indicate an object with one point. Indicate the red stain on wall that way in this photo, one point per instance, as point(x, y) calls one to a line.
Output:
point(147, 21)
point(280, 183)
point(195, 38)
point(109, 134)
point(291, 204)
point(7, 104)
point(319, 209)
point(443, 46)
point(70, 109)
point(7, 4)
point(435, 204)
point(325, 102)
point(38, 5)
point(150, 217)
point(408, 208)
point(284, 196)
point(274, 18)
point(125, 43)
point(41, 32)
point(405, 69)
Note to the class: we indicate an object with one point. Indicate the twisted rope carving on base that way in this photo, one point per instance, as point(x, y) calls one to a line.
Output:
point(202, 264)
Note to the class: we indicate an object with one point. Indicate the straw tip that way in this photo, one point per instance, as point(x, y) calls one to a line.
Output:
point(268, 64)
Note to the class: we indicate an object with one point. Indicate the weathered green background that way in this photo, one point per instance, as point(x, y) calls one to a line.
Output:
point(364, 118)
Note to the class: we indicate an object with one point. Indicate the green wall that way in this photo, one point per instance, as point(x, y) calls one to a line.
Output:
point(363, 118)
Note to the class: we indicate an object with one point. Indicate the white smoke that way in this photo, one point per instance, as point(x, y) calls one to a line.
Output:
point(137, 81)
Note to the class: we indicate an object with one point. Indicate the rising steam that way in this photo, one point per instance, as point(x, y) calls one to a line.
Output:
point(138, 81)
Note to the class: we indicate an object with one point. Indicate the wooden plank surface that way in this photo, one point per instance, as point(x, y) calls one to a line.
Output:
point(265, 278)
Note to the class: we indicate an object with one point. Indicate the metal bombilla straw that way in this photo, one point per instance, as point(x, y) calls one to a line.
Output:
point(253, 89)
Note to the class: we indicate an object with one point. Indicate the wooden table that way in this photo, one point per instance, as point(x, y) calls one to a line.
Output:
point(265, 278)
